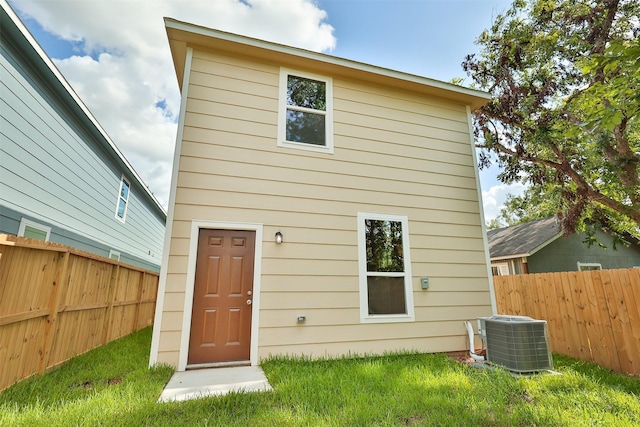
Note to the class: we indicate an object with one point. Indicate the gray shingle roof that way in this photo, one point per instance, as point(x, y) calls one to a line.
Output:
point(522, 239)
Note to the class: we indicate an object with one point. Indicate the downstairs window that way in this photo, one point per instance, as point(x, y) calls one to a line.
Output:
point(386, 293)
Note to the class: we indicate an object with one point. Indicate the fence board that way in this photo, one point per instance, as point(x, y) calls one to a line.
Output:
point(56, 303)
point(634, 310)
point(570, 322)
point(608, 341)
point(626, 308)
point(598, 350)
point(539, 298)
point(553, 296)
point(111, 294)
point(591, 315)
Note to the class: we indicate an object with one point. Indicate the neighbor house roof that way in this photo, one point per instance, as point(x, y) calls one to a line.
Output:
point(523, 239)
point(182, 35)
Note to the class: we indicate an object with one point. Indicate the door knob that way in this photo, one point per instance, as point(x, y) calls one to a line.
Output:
point(248, 302)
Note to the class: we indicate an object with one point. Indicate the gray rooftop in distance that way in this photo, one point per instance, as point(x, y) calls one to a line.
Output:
point(522, 239)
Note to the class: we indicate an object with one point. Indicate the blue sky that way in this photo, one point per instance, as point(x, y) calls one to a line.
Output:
point(105, 53)
point(424, 37)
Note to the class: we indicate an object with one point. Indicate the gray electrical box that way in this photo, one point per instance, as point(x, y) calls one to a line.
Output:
point(424, 282)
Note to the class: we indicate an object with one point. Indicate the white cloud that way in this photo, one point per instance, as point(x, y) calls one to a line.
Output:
point(493, 199)
point(125, 74)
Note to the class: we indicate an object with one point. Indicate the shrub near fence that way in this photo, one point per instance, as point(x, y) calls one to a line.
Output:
point(57, 302)
point(591, 315)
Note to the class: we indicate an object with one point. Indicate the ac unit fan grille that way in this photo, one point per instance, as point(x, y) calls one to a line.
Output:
point(518, 343)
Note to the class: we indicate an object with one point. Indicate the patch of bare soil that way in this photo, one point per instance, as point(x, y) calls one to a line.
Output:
point(414, 419)
point(462, 356)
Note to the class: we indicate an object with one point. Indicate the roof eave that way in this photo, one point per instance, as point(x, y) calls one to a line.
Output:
point(506, 257)
point(182, 34)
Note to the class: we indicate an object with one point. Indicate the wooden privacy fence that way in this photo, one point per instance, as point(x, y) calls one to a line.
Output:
point(591, 315)
point(57, 302)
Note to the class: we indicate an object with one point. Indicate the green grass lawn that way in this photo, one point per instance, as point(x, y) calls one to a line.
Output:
point(113, 386)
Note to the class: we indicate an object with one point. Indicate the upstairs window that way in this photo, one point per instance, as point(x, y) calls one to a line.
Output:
point(386, 294)
point(123, 200)
point(306, 112)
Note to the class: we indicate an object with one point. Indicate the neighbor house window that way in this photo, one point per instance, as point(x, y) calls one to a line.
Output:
point(114, 255)
point(386, 293)
point(501, 269)
point(589, 266)
point(34, 230)
point(123, 200)
point(306, 111)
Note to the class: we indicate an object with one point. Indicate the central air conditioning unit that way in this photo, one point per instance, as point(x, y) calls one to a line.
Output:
point(519, 343)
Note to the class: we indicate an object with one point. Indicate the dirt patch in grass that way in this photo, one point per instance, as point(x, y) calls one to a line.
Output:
point(413, 420)
point(461, 356)
point(87, 385)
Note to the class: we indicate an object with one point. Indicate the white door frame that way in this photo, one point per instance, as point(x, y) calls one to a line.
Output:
point(196, 226)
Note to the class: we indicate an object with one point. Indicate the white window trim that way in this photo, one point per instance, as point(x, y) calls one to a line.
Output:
point(365, 317)
point(114, 253)
point(26, 222)
point(126, 202)
point(282, 112)
point(589, 264)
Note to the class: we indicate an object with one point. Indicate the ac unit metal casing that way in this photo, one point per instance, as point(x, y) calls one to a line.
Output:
point(482, 328)
point(518, 343)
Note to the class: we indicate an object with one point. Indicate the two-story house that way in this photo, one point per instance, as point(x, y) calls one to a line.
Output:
point(319, 206)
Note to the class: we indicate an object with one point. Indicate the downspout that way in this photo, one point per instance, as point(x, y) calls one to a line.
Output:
point(475, 356)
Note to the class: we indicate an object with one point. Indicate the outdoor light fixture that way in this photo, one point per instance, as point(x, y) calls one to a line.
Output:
point(279, 238)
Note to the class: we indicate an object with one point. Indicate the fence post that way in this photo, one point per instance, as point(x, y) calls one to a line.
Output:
point(54, 307)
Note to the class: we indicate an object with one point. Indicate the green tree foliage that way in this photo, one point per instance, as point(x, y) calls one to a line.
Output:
point(536, 202)
point(384, 245)
point(565, 113)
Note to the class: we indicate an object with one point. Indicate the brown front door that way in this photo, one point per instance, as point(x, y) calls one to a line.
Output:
point(222, 297)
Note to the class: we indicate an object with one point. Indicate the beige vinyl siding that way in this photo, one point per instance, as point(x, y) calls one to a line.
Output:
point(233, 146)
point(335, 348)
point(395, 153)
point(292, 283)
point(281, 318)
